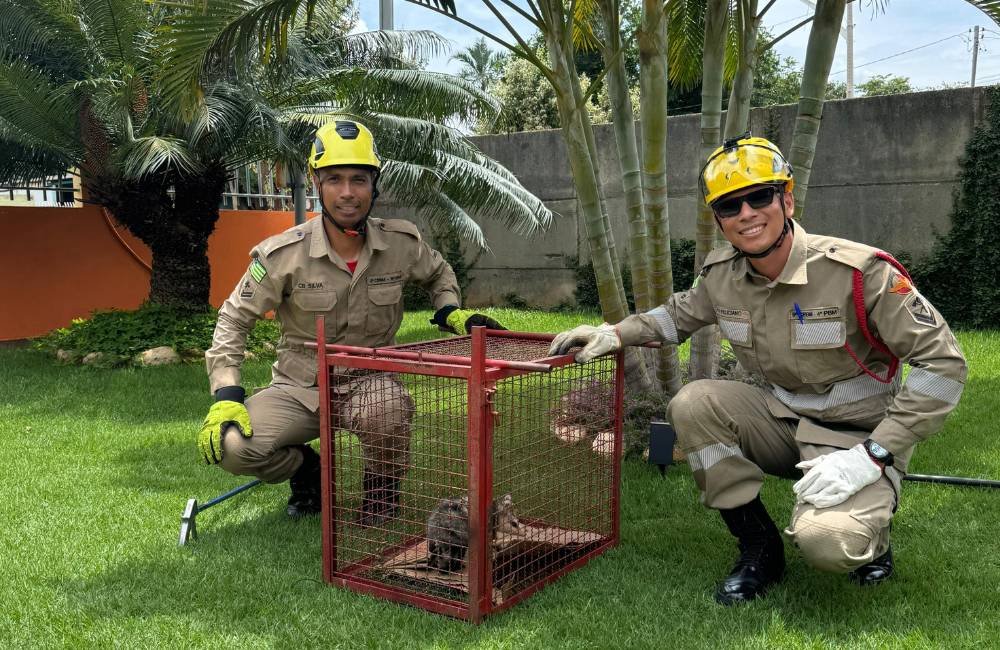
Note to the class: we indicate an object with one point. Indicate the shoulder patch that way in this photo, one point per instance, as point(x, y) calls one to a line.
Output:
point(271, 244)
point(399, 225)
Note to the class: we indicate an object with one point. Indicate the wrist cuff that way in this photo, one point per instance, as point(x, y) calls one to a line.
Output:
point(231, 394)
point(441, 316)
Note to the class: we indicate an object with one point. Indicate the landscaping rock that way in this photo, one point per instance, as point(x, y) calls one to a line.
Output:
point(161, 356)
point(93, 358)
point(67, 356)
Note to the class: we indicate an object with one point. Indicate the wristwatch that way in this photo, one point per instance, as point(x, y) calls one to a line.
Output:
point(879, 453)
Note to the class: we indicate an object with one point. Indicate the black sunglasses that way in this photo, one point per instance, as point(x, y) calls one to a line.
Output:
point(726, 208)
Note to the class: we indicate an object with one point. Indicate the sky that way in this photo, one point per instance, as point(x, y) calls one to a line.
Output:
point(902, 25)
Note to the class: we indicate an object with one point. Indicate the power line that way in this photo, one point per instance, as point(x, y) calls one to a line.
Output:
point(785, 22)
point(912, 49)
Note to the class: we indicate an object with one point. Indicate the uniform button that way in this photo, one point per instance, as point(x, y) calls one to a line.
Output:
point(299, 234)
point(833, 249)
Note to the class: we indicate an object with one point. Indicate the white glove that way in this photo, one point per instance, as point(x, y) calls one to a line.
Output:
point(833, 478)
point(595, 341)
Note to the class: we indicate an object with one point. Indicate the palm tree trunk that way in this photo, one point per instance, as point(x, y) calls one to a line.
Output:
point(819, 57)
point(738, 113)
point(176, 229)
point(585, 180)
point(653, 89)
point(705, 349)
point(628, 153)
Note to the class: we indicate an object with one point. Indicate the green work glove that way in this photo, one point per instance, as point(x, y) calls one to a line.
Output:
point(224, 413)
point(461, 321)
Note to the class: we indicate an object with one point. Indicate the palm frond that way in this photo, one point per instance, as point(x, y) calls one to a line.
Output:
point(37, 109)
point(44, 33)
point(734, 37)
point(220, 31)
point(430, 95)
point(376, 48)
point(155, 154)
point(685, 39)
point(440, 210)
point(491, 197)
point(112, 25)
point(22, 164)
point(585, 16)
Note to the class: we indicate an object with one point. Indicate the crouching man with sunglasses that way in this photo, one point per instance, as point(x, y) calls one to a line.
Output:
point(824, 322)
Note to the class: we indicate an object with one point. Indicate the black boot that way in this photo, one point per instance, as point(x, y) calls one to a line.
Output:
point(877, 571)
point(762, 554)
point(380, 501)
point(305, 484)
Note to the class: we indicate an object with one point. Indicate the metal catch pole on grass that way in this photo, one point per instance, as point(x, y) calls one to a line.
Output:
point(189, 529)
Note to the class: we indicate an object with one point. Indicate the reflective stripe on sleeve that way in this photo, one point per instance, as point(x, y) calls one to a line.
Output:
point(666, 323)
point(934, 385)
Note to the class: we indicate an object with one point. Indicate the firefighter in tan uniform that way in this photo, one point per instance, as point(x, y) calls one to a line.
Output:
point(824, 322)
point(351, 269)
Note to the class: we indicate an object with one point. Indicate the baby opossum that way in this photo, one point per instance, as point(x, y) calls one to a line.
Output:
point(448, 529)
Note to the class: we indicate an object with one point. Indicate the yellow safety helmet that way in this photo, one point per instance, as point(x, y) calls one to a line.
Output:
point(344, 142)
point(743, 162)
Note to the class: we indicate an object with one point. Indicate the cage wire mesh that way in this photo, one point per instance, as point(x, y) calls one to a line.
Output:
point(403, 475)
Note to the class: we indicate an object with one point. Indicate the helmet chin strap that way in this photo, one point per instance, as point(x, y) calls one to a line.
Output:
point(777, 242)
point(361, 227)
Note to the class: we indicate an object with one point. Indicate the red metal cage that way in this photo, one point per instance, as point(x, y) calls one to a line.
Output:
point(462, 475)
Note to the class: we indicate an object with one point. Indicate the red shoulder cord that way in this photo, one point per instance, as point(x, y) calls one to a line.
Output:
point(862, 317)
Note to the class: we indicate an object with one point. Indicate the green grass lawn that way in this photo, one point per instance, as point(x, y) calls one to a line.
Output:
point(97, 465)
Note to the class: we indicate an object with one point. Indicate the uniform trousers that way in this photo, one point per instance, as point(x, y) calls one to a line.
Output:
point(377, 409)
point(732, 438)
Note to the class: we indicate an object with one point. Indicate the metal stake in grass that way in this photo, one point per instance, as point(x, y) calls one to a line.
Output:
point(189, 529)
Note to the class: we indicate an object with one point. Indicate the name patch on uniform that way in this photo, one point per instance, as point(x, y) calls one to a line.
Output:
point(727, 312)
point(921, 313)
point(257, 270)
point(814, 313)
point(248, 290)
point(386, 278)
point(309, 285)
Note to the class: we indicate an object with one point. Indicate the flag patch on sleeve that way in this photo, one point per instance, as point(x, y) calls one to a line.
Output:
point(257, 271)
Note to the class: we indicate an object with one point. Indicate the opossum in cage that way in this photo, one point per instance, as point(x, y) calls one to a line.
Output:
point(448, 529)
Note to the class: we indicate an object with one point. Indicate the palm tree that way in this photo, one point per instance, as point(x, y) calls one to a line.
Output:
point(89, 86)
point(480, 65)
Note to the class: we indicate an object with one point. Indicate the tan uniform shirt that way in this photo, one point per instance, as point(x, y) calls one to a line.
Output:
point(299, 276)
point(800, 352)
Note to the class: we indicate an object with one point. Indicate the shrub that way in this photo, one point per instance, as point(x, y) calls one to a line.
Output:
point(449, 244)
point(120, 335)
point(961, 276)
point(681, 263)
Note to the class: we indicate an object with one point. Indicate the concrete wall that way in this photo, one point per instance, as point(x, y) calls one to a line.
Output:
point(884, 174)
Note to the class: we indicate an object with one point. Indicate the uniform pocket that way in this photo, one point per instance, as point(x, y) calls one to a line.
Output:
point(735, 326)
point(817, 336)
point(384, 308)
point(315, 301)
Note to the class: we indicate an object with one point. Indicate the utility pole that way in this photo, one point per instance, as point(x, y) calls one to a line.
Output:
point(385, 15)
point(975, 54)
point(850, 49)
point(846, 33)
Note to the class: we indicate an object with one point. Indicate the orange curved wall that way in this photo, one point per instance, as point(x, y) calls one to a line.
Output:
point(63, 263)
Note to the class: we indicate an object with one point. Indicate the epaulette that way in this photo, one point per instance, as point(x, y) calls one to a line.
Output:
point(717, 255)
point(855, 255)
point(271, 244)
point(398, 225)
